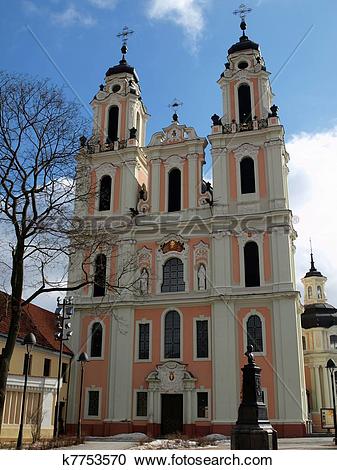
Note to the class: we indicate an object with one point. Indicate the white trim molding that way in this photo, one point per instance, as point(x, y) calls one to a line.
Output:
point(244, 329)
point(143, 321)
point(92, 388)
point(89, 337)
point(162, 335)
point(195, 320)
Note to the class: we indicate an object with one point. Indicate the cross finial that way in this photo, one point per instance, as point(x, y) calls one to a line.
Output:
point(124, 34)
point(175, 105)
point(310, 245)
point(242, 11)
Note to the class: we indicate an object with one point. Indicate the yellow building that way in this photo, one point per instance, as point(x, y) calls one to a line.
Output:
point(319, 340)
point(42, 375)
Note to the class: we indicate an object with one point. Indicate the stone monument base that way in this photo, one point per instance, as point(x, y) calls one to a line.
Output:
point(248, 437)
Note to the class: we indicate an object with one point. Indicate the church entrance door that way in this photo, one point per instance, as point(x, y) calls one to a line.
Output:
point(171, 413)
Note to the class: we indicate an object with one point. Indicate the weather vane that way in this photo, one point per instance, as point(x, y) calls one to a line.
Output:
point(126, 32)
point(175, 105)
point(242, 11)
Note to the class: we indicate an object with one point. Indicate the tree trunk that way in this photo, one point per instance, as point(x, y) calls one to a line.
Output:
point(15, 315)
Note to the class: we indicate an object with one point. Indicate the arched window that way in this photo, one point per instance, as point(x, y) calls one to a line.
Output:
point(254, 333)
point(113, 124)
point(173, 276)
point(172, 335)
point(96, 340)
point(247, 175)
point(245, 105)
point(174, 190)
point(100, 275)
point(105, 193)
point(252, 265)
point(319, 292)
point(309, 292)
point(333, 341)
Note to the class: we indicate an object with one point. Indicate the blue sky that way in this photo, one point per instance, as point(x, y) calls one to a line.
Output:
point(179, 49)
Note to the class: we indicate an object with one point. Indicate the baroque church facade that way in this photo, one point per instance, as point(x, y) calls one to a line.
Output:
point(213, 266)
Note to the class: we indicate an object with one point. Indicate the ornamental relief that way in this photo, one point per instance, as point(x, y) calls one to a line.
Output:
point(171, 377)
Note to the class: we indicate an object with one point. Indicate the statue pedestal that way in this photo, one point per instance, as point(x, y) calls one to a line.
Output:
point(253, 429)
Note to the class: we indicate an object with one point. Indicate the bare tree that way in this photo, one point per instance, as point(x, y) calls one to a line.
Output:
point(39, 141)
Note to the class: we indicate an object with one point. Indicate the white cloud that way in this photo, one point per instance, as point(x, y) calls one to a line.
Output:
point(30, 7)
point(72, 16)
point(188, 14)
point(104, 4)
point(313, 198)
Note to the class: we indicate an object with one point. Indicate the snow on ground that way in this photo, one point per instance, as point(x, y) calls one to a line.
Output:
point(207, 441)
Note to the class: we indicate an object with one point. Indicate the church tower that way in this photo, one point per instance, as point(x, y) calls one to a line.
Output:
point(257, 280)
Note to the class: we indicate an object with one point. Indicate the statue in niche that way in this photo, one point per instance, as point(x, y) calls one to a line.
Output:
point(202, 277)
point(144, 282)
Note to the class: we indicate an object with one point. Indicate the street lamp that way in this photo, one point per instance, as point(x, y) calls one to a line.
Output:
point(29, 341)
point(331, 366)
point(64, 311)
point(83, 359)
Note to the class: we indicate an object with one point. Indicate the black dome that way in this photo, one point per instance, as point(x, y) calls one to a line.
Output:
point(319, 315)
point(243, 44)
point(313, 271)
point(122, 67)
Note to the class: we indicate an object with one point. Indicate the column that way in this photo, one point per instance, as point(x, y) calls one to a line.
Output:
point(326, 388)
point(318, 388)
point(155, 185)
point(193, 184)
point(150, 406)
point(188, 407)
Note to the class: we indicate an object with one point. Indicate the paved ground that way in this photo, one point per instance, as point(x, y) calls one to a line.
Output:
point(313, 443)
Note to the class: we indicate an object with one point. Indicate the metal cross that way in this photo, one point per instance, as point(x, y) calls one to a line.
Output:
point(126, 32)
point(175, 104)
point(242, 11)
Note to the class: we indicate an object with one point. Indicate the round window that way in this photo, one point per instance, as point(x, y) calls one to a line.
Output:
point(243, 65)
point(116, 88)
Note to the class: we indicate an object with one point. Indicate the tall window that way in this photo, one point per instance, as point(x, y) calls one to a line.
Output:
point(333, 341)
point(247, 175)
point(105, 193)
point(202, 403)
point(113, 124)
point(252, 265)
point(141, 403)
point(174, 190)
point(93, 403)
point(245, 105)
point(309, 292)
point(172, 335)
point(202, 338)
point(100, 275)
point(96, 339)
point(254, 333)
point(173, 276)
point(144, 341)
point(46, 367)
point(64, 372)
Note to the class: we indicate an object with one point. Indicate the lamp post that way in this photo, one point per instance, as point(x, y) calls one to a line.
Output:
point(331, 366)
point(29, 341)
point(83, 359)
point(64, 311)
